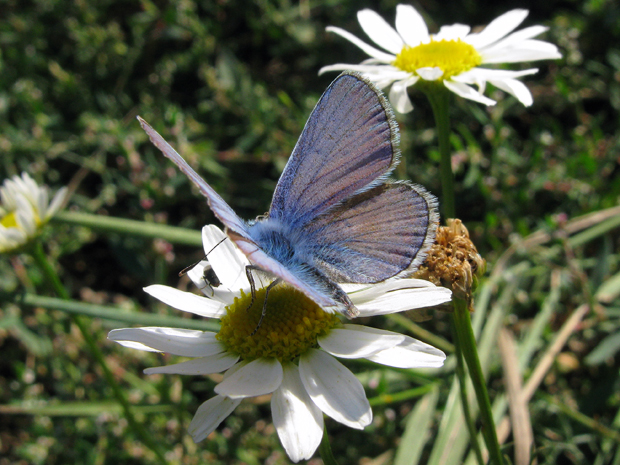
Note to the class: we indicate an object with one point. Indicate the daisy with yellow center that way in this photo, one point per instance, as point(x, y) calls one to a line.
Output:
point(291, 355)
point(451, 57)
point(24, 209)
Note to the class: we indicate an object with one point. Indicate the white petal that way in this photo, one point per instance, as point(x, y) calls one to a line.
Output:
point(11, 238)
point(463, 90)
point(334, 389)
point(369, 49)
point(176, 341)
point(410, 353)
point(198, 366)
point(411, 26)
point(379, 70)
point(187, 301)
point(135, 345)
point(356, 341)
point(362, 293)
point(405, 299)
point(399, 97)
point(227, 260)
point(297, 419)
point(256, 378)
point(479, 75)
point(430, 73)
point(209, 416)
point(516, 37)
point(25, 215)
point(379, 31)
point(57, 202)
point(528, 50)
point(212, 237)
point(515, 88)
point(498, 28)
point(453, 32)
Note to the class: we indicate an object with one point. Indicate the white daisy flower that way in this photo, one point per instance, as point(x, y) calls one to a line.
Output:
point(291, 355)
point(452, 56)
point(24, 209)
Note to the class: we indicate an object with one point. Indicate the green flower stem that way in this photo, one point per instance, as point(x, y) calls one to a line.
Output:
point(172, 234)
point(461, 375)
point(50, 273)
point(387, 399)
point(421, 333)
point(467, 342)
point(439, 97)
point(325, 449)
point(110, 313)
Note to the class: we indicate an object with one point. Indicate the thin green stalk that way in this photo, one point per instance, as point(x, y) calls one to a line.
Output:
point(386, 399)
point(107, 312)
point(325, 449)
point(460, 374)
point(584, 420)
point(467, 342)
point(439, 97)
point(421, 333)
point(125, 226)
point(50, 273)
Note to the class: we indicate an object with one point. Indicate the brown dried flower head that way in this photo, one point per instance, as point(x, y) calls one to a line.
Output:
point(453, 262)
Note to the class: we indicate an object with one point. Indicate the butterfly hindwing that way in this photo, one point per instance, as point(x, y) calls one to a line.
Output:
point(375, 235)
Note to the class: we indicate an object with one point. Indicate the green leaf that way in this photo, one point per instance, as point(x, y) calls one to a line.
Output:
point(115, 314)
point(76, 409)
point(609, 290)
point(417, 430)
point(607, 348)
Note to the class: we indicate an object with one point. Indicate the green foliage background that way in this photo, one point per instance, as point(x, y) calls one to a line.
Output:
point(230, 84)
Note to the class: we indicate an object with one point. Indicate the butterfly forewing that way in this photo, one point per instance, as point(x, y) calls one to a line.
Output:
point(348, 143)
point(217, 204)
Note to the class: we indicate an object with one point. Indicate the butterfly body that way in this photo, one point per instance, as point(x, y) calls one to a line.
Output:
point(334, 217)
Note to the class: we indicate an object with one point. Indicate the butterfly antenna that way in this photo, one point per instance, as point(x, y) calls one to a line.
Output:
point(272, 284)
point(187, 268)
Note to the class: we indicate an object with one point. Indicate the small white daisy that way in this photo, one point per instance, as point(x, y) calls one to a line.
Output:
point(452, 56)
point(291, 353)
point(24, 209)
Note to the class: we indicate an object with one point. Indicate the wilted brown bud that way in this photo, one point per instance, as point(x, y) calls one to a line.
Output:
point(453, 262)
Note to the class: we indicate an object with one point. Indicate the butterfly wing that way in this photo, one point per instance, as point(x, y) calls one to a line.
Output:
point(217, 204)
point(348, 145)
point(380, 233)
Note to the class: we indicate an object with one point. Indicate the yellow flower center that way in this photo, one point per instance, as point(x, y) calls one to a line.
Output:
point(9, 220)
point(291, 325)
point(453, 57)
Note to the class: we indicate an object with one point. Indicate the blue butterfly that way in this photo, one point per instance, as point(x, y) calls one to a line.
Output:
point(334, 217)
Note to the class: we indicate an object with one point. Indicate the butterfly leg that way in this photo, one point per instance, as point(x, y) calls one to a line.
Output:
point(271, 285)
point(248, 274)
